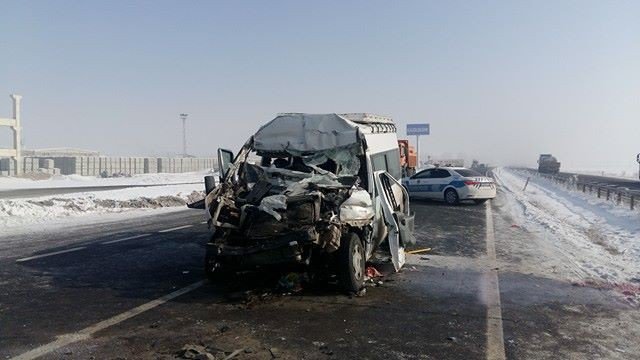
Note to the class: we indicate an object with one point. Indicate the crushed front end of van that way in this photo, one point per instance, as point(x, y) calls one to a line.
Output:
point(303, 190)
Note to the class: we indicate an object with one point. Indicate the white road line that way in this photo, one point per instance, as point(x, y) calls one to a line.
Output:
point(125, 239)
point(86, 333)
point(175, 228)
point(204, 222)
point(50, 254)
point(491, 292)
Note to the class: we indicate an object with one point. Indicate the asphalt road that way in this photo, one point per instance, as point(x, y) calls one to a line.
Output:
point(134, 290)
point(26, 193)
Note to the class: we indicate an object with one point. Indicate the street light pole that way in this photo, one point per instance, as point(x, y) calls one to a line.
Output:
point(184, 134)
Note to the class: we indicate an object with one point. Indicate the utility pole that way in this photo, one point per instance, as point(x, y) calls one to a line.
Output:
point(184, 134)
point(16, 127)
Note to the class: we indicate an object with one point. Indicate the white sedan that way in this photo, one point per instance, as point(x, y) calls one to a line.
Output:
point(451, 184)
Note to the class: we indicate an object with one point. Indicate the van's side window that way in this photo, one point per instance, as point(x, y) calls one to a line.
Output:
point(388, 161)
point(379, 162)
point(393, 163)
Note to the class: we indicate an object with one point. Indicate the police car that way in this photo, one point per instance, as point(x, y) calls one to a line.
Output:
point(451, 184)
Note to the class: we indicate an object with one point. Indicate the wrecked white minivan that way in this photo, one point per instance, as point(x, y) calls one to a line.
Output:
point(314, 189)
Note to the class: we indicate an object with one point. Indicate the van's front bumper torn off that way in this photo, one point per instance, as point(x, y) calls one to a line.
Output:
point(286, 248)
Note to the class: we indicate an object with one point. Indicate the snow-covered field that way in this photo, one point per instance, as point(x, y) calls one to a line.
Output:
point(59, 181)
point(599, 241)
point(22, 214)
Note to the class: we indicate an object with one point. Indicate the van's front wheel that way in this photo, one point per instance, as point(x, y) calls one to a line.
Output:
point(351, 263)
point(213, 267)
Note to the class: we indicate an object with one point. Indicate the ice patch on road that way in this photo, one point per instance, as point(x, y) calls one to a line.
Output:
point(599, 241)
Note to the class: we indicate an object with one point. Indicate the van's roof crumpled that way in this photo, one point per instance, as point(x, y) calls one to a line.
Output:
point(300, 133)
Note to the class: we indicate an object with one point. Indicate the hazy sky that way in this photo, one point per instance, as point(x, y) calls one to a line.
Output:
point(500, 81)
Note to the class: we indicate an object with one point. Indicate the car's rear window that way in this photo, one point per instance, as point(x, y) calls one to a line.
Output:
point(467, 173)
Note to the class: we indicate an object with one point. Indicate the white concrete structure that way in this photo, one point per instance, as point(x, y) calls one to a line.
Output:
point(14, 124)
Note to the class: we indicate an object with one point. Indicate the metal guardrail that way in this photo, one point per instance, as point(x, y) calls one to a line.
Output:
point(619, 195)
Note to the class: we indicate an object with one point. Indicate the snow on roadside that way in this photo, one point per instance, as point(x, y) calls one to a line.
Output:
point(18, 214)
point(61, 181)
point(601, 242)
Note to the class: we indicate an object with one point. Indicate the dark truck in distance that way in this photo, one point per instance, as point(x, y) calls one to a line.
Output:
point(548, 164)
point(319, 190)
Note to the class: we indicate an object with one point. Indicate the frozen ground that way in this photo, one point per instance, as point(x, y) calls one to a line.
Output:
point(9, 183)
point(624, 170)
point(599, 241)
point(21, 215)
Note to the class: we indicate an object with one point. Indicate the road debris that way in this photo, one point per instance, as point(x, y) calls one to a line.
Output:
point(234, 354)
point(275, 353)
point(196, 352)
point(372, 272)
point(418, 251)
point(292, 282)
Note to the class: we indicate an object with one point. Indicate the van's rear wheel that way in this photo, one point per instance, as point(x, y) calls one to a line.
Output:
point(351, 260)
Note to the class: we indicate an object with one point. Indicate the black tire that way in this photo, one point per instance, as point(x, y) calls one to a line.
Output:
point(480, 201)
point(212, 268)
point(451, 197)
point(351, 260)
point(215, 270)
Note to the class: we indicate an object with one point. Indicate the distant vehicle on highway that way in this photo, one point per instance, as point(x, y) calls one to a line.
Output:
point(548, 164)
point(451, 184)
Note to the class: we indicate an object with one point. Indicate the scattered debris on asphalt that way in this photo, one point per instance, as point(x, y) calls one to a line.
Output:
point(292, 282)
point(275, 353)
point(196, 352)
point(418, 251)
point(372, 272)
point(234, 354)
point(630, 291)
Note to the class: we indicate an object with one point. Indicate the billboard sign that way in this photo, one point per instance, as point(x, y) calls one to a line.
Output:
point(418, 129)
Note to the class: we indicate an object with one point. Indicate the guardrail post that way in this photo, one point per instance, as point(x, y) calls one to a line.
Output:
point(598, 192)
point(631, 202)
point(608, 193)
point(619, 198)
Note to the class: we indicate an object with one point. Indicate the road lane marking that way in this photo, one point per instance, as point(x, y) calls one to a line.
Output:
point(491, 294)
point(125, 239)
point(175, 228)
point(86, 333)
point(204, 222)
point(51, 254)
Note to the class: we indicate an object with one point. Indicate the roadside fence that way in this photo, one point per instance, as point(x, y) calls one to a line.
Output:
point(618, 195)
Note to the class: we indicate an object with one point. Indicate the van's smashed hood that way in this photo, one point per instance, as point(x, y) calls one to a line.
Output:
point(303, 133)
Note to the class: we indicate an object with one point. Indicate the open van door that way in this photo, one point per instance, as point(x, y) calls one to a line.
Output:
point(397, 215)
point(225, 158)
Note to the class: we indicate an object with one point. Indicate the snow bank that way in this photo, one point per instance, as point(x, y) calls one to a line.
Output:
point(602, 240)
point(10, 183)
point(19, 213)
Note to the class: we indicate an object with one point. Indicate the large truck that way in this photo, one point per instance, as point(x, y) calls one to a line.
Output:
point(548, 164)
point(408, 158)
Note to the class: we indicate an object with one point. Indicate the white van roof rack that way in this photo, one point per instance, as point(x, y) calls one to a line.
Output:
point(366, 118)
